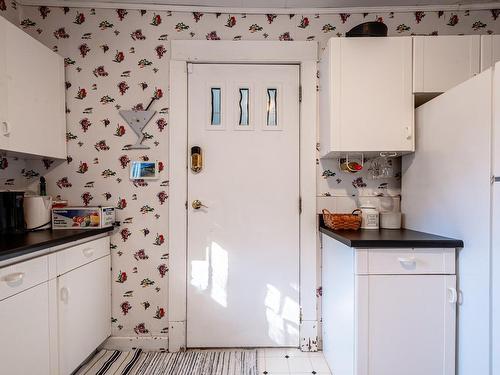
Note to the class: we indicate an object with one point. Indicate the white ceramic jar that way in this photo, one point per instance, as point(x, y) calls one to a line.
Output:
point(369, 216)
point(390, 220)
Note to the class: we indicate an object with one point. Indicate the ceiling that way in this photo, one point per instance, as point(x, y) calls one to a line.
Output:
point(295, 3)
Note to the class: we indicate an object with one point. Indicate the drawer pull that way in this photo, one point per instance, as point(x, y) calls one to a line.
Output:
point(453, 295)
point(64, 294)
point(6, 128)
point(408, 262)
point(88, 252)
point(14, 277)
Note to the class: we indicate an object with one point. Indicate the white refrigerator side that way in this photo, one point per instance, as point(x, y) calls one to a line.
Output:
point(446, 191)
point(495, 278)
point(495, 229)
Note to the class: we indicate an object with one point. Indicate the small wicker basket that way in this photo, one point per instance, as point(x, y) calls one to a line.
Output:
point(342, 221)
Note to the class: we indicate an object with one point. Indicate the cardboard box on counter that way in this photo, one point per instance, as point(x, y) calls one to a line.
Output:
point(83, 217)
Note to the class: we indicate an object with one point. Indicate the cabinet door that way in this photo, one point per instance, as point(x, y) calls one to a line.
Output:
point(490, 51)
point(372, 97)
point(442, 62)
point(24, 341)
point(35, 96)
point(84, 312)
point(4, 136)
point(406, 325)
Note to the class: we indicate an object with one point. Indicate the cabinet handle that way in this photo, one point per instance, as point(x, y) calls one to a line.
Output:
point(64, 294)
point(409, 133)
point(408, 262)
point(88, 252)
point(6, 128)
point(14, 277)
point(453, 295)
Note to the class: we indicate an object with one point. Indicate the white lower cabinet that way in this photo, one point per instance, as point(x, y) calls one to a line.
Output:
point(406, 324)
point(55, 310)
point(84, 312)
point(388, 311)
point(24, 338)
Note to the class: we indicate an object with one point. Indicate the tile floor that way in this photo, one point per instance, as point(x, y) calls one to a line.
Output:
point(291, 361)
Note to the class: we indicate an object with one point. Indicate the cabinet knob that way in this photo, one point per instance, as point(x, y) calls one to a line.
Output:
point(408, 262)
point(88, 252)
point(453, 295)
point(64, 294)
point(409, 132)
point(5, 128)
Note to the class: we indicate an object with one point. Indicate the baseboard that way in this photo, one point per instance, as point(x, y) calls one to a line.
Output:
point(177, 335)
point(131, 343)
point(309, 336)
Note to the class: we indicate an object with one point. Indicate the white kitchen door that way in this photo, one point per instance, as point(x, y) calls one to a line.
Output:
point(243, 206)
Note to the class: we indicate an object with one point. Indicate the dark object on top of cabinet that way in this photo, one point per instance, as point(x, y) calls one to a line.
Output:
point(368, 29)
point(11, 212)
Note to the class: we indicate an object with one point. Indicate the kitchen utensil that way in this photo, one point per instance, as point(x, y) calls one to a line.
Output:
point(381, 167)
point(351, 166)
point(37, 210)
point(390, 220)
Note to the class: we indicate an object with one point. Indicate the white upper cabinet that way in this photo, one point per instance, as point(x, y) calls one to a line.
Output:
point(442, 62)
point(32, 96)
point(4, 141)
point(490, 51)
point(366, 96)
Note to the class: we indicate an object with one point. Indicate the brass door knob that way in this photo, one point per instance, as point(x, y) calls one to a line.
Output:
point(197, 204)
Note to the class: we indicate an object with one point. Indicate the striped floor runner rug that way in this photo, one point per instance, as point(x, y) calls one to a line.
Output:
point(199, 362)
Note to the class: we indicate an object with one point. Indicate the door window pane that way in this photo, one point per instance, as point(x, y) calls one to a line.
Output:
point(216, 106)
point(244, 116)
point(272, 114)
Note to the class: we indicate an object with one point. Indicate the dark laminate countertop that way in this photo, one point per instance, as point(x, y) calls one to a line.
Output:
point(14, 245)
point(387, 238)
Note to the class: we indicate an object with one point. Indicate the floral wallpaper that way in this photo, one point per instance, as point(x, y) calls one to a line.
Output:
point(119, 59)
point(9, 10)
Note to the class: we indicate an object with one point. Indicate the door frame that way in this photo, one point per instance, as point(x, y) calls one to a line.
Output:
point(304, 54)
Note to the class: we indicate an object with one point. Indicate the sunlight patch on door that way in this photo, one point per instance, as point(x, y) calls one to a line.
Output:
point(211, 274)
point(282, 315)
point(219, 270)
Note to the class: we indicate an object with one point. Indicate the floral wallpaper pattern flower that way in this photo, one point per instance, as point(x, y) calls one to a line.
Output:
point(119, 59)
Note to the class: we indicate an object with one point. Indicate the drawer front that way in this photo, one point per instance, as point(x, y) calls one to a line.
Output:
point(79, 255)
point(405, 261)
point(21, 276)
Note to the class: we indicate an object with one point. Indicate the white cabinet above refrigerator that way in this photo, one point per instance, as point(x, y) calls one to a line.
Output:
point(490, 51)
point(442, 62)
point(366, 96)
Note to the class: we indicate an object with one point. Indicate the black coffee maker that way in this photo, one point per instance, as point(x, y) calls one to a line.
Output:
point(11, 212)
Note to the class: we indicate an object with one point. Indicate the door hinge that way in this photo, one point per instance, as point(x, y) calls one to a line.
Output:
point(300, 205)
point(189, 68)
point(300, 94)
point(186, 205)
point(300, 316)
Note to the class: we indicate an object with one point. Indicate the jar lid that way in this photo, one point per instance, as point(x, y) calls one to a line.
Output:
point(368, 205)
